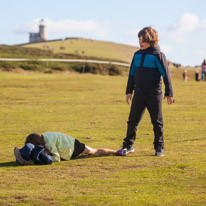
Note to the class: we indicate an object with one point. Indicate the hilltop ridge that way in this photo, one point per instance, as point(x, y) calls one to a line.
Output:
point(88, 47)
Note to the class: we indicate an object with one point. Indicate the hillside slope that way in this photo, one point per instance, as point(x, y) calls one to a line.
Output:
point(34, 63)
point(88, 47)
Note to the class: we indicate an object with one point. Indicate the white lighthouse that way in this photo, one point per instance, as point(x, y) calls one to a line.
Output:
point(41, 36)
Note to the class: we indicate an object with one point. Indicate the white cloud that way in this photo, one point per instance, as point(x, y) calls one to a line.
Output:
point(133, 32)
point(203, 25)
point(133, 37)
point(102, 30)
point(66, 26)
point(186, 24)
point(166, 48)
point(29, 27)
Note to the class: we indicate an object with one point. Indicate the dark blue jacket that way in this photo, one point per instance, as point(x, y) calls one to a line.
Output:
point(29, 151)
point(146, 70)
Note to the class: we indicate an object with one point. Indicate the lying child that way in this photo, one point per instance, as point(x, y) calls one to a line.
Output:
point(61, 146)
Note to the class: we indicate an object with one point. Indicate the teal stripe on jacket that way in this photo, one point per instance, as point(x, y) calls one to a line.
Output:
point(150, 61)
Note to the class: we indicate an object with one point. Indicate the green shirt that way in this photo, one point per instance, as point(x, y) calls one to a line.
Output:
point(60, 145)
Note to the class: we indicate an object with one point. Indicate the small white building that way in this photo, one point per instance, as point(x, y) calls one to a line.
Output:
point(41, 36)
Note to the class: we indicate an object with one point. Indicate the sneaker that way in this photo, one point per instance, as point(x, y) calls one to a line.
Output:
point(131, 150)
point(122, 152)
point(125, 151)
point(159, 151)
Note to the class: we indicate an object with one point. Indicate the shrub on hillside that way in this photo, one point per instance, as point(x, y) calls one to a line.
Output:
point(32, 66)
point(7, 66)
point(103, 69)
point(59, 66)
point(97, 69)
point(114, 70)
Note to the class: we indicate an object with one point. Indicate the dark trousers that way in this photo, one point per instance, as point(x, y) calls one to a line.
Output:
point(153, 103)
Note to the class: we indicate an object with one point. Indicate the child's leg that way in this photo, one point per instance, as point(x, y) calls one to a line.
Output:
point(136, 113)
point(101, 151)
point(154, 106)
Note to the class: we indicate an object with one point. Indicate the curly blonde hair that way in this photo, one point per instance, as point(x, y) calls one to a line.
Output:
point(149, 35)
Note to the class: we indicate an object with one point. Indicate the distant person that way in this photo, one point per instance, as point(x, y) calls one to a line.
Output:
point(203, 66)
point(185, 75)
point(63, 147)
point(147, 67)
point(197, 75)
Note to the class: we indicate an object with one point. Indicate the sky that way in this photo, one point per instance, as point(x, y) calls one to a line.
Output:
point(181, 24)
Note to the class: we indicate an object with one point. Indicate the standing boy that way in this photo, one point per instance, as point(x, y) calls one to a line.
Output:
point(147, 67)
point(203, 66)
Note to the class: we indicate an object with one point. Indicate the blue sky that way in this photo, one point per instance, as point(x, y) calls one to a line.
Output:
point(181, 24)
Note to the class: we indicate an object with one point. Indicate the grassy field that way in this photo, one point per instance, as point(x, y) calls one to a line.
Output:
point(92, 109)
point(89, 47)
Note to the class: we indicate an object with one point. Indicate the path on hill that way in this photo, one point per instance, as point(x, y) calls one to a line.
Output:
point(67, 60)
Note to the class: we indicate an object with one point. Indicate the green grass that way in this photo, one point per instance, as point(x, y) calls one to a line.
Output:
point(92, 109)
point(39, 51)
point(89, 47)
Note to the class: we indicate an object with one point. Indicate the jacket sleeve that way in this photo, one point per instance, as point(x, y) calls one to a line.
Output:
point(52, 148)
point(164, 71)
point(130, 82)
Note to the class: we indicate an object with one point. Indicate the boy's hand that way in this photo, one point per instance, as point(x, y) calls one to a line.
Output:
point(170, 100)
point(128, 98)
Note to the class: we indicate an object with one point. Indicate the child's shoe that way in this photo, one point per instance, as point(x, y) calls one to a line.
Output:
point(122, 152)
point(159, 151)
point(125, 151)
point(131, 150)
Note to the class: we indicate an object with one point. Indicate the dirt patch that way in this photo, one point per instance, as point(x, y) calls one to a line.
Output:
point(132, 167)
point(20, 197)
point(87, 137)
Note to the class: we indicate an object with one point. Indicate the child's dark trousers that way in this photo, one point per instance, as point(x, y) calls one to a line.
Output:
point(153, 102)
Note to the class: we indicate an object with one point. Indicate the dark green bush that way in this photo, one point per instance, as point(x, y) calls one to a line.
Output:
point(7, 66)
point(104, 69)
point(114, 70)
point(97, 69)
point(33, 65)
point(59, 66)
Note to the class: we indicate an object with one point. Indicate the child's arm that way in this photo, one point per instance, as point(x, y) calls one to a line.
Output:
point(130, 82)
point(128, 98)
point(164, 71)
point(55, 154)
point(170, 100)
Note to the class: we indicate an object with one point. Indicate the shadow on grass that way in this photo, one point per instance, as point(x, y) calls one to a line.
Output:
point(15, 164)
point(114, 156)
point(146, 155)
point(9, 164)
point(90, 156)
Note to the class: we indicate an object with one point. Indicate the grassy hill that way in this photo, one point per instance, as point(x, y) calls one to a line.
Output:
point(93, 49)
point(88, 47)
point(36, 53)
point(70, 48)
